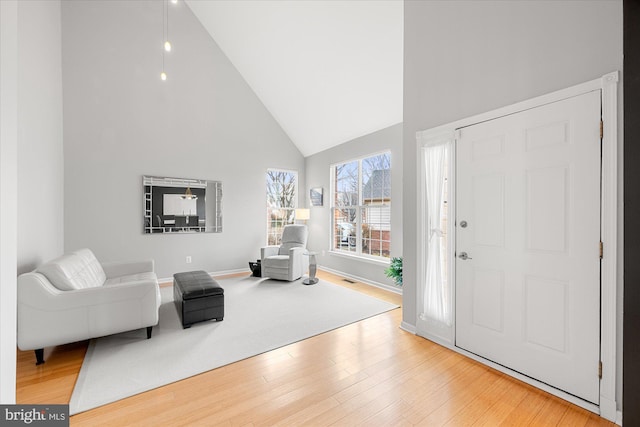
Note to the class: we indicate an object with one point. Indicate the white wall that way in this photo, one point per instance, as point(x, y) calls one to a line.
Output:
point(31, 182)
point(8, 204)
point(318, 175)
point(121, 122)
point(466, 57)
point(40, 151)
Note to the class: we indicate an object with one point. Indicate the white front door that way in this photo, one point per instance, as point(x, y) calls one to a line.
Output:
point(528, 220)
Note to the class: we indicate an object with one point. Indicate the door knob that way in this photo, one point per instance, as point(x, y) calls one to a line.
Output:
point(464, 256)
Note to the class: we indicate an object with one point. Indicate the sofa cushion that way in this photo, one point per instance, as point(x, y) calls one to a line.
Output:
point(195, 284)
point(72, 271)
point(93, 266)
point(138, 277)
point(277, 261)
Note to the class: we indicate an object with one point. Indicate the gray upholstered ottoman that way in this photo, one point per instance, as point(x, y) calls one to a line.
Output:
point(198, 297)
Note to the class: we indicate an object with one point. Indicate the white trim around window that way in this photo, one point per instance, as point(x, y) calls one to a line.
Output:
point(361, 214)
point(291, 209)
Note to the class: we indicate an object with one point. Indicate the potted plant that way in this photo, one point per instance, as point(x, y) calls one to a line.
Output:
point(394, 270)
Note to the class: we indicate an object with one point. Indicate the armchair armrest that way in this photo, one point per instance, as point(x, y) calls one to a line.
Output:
point(117, 269)
point(298, 262)
point(296, 252)
point(268, 251)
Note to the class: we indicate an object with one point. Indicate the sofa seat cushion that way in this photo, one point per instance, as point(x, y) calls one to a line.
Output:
point(78, 270)
point(277, 261)
point(138, 277)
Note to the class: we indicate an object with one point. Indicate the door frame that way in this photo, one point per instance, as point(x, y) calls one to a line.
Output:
point(448, 134)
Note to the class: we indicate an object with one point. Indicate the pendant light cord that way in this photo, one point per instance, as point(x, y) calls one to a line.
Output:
point(163, 30)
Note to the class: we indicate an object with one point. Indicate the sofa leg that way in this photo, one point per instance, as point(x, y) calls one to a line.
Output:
point(149, 328)
point(39, 356)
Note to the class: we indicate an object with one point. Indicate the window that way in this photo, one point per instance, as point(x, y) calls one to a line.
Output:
point(436, 286)
point(282, 190)
point(361, 197)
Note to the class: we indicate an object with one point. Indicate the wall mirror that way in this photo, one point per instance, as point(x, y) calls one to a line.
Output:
point(181, 205)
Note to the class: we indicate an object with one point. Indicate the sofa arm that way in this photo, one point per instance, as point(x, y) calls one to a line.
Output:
point(118, 269)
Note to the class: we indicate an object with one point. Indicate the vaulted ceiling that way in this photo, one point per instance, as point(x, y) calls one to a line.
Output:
point(328, 71)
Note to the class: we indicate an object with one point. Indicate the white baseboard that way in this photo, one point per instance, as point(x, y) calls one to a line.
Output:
point(212, 273)
point(407, 327)
point(619, 418)
point(389, 288)
point(225, 272)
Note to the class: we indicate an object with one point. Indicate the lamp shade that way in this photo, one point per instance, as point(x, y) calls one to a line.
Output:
point(302, 214)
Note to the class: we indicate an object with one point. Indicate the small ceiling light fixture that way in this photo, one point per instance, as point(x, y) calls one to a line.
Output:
point(165, 35)
point(188, 195)
point(174, 1)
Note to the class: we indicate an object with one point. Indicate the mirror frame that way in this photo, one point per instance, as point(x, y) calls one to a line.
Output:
point(208, 196)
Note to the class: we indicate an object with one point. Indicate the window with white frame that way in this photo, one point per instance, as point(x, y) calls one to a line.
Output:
point(435, 187)
point(361, 203)
point(282, 196)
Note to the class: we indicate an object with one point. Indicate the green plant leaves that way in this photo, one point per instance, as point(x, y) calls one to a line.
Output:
point(394, 271)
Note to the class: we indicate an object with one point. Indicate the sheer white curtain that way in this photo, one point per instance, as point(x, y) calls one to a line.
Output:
point(437, 303)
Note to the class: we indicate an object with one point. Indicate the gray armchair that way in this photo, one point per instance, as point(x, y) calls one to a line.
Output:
point(287, 262)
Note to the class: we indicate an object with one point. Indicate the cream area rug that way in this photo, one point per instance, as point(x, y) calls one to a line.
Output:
point(260, 315)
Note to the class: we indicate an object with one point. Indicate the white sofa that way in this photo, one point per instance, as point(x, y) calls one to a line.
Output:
point(74, 298)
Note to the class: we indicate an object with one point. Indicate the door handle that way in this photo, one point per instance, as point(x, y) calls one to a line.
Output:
point(464, 256)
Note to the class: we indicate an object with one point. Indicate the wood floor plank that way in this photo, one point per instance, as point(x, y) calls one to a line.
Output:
point(479, 403)
point(575, 417)
point(551, 411)
point(500, 405)
point(368, 373)
point(527, 410)
point(391, 415)
point(457, 396)
point(303, 416)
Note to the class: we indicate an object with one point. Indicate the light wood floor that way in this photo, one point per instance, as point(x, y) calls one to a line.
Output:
point(368, 373)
